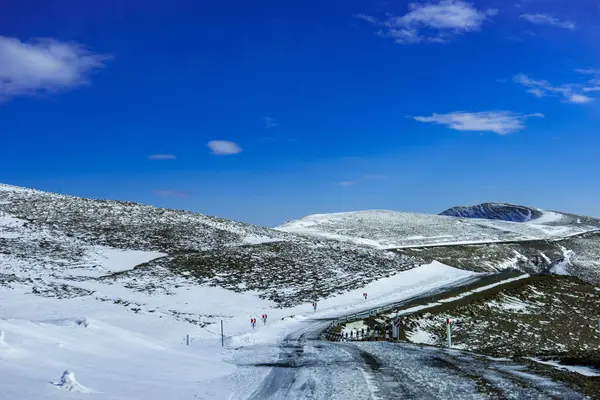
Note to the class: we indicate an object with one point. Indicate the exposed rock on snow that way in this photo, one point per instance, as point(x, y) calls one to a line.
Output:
point(69, 383)
point(499, 211)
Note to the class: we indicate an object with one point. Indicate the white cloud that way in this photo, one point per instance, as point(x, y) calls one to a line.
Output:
point(595, 80)
point(592, 89)
point(45, 65)
point(224, 147)
point(162, 157)
point(346, 183)
point(500, 122)
point(432, 22)
point(578, 99)
point(545, 19)
point(571, 93)
point(588, 71)
point(270, 122)
point(171, 193)
point(367, 18)
point(537, 92)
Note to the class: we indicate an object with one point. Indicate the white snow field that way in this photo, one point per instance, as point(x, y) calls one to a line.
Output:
point(391, 229)
point(119, 354)
point(580, 369)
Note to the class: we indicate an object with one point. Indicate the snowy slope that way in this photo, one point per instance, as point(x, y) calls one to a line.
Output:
point(391, 229)
point(60, 242)
point(109, 290)
point(123, 344)
point(124, 224)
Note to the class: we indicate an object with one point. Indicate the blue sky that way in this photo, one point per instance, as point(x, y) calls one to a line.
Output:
point(269, 111)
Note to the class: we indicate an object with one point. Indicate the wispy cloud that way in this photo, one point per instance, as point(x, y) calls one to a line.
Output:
point(432, 22)
point(571, 93)
point(594, 80)
point(579, 99)
point(367, 18)
point(346, 183)
point(223, 147)
point(162, 157)
point(588, 71)
point(363, 178)
point(269, 122)
point(500, 122)
point(44, 65)
point(546, 19)
point(592, 89)
point(172, 193)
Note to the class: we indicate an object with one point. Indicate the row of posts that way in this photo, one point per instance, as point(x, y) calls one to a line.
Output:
point(364, 334)
point(368, 334)
point(188, 339)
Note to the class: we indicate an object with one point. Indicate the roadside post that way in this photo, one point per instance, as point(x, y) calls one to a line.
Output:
point(448, 332)
point(187, 340)
point(222, 336)
point(396, 328)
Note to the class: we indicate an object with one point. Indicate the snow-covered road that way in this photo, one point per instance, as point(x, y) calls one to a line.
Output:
point(303, 366)
point(306, 367)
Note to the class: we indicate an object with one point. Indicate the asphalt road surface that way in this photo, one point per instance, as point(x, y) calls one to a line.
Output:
point(306, 367)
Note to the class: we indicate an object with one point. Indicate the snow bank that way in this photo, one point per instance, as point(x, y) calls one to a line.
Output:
point(580, 369)
point(260, 240)
point(547, 216)
point(415, 309)
point(421, 336)
point(9, 225)
point(108, 260)
point(562, 268)
point(70, 384)
point(403, 285)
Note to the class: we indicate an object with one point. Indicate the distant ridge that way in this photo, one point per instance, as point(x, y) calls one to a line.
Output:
point(496, 211)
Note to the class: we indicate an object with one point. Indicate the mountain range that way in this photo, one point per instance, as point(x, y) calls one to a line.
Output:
point(57, 242)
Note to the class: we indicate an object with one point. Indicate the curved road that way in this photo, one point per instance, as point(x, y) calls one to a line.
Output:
point(310, 368)
point(303, 366)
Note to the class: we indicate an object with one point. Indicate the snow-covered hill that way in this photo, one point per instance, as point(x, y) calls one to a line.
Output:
point(391, 229)
point(55, 241)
